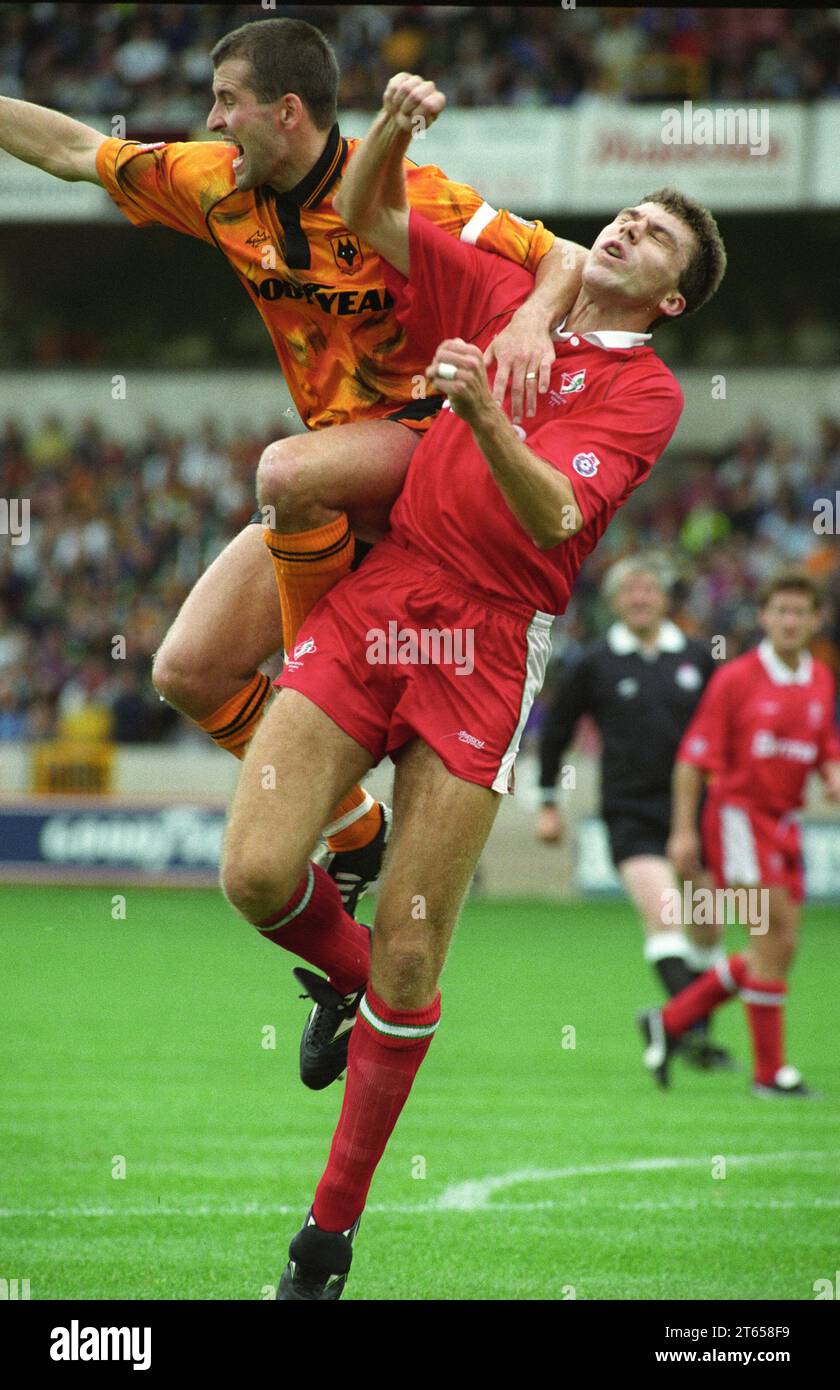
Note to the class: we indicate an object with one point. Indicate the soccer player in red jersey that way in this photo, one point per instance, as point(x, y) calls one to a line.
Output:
point(765, 722)
point(434, 650)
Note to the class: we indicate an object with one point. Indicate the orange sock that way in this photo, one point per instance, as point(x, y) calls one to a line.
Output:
point(355, 821)
point(233, 723)
point(306, 565)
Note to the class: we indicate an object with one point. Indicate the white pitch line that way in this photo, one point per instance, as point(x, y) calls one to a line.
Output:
point(416, 1209)
point(473, 1196)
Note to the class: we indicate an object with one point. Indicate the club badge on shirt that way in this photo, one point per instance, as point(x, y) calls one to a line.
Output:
point(586, 465)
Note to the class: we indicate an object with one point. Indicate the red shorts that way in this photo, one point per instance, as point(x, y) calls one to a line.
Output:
point(745, 845)
point(402, 649)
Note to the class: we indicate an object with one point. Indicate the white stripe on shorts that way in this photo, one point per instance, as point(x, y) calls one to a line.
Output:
point(538, 652)
point(740, 859)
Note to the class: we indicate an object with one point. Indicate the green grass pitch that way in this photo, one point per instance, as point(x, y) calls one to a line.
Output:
point(522, 1167)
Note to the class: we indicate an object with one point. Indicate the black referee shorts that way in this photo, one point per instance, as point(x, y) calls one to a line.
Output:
point(638, 832)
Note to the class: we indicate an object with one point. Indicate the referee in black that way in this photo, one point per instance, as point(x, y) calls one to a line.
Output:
point(641, 684)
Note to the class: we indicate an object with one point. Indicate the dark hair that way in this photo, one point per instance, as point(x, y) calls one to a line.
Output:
point(791, 580)
point(707, 266)
point(286, 55)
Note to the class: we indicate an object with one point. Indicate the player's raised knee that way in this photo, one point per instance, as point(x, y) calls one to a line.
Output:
point(177, 675)
point(282, 481)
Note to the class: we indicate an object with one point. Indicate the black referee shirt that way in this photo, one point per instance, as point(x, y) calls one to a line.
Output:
point(641, 705)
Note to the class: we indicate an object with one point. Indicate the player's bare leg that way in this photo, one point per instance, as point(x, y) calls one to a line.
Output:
point(758, 977)
point(678, 951)
point(297, 765)
point(227, 628)
point(441, 825)
point(309, 481)
point(230, 623)
point(771, 952)
point(336, 481)
point(315, 497)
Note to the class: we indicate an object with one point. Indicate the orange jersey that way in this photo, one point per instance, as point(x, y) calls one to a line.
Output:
point(319, 289)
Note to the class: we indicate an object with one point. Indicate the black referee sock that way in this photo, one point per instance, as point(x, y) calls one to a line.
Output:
point(674, 973)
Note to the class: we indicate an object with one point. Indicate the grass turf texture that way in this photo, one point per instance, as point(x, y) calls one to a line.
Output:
point(144, 1038)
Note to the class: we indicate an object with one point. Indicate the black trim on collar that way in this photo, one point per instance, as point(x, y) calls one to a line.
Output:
point(321, 177)
point(307, 194)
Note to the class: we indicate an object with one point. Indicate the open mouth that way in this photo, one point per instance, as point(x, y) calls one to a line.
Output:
point(614, 249)
point(240, 154)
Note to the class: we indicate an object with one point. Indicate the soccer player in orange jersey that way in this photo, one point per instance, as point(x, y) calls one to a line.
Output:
point(262, 195)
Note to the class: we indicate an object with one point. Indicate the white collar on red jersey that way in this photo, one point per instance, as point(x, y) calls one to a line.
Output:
point(608, 338)
point(622, 641)
point(779, 672)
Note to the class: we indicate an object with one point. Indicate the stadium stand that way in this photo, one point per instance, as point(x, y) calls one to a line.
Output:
point(152, 60)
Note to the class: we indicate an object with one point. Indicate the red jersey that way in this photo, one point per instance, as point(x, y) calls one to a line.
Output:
point(760, 729)
point(610, 411)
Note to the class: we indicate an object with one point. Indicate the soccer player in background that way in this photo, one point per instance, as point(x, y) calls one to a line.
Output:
point(262, 194)
point(640, 683)
point(765, 722)
point(487, 537)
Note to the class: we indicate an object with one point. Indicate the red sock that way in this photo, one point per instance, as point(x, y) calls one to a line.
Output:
point(386, 1049)
point(314, 925)
point(698, 1000)
point(764, 1001)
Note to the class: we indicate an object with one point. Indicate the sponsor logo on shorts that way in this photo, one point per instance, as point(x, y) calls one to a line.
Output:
point(586, 465)
point(464, 737)
point(304, 648)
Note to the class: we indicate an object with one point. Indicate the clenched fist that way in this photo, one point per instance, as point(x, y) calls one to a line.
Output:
point(413, 102)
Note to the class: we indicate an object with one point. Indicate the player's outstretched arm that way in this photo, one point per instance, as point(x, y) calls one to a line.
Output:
point(52, 142)
point(372, 198)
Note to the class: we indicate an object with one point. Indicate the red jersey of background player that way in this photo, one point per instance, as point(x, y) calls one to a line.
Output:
point(760, 729)
point(610, 411)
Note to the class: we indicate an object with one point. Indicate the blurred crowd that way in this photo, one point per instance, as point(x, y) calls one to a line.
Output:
point(118, 534)
point(151, 61)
